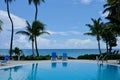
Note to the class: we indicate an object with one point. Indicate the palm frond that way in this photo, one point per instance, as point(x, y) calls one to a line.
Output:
point(44, 32)
point(28, 24)
point(8, 1)
point(30, 1)
point(23, 32)
point(92, 34)
point(1, 25)
point(37, 25)
point(89, 25)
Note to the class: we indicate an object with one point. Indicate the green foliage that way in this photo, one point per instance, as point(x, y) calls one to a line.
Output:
point(36, 2)
point(1, 57)
point(95, 30)
point(113, 7)
point(47, 57)
point(17, 51)
point(93, 56)
point(69, 57)
point(87, 56)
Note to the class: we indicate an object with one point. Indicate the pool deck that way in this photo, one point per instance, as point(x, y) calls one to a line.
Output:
point(17, 63)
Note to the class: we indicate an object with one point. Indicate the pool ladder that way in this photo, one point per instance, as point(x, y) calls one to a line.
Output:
point(102, 58)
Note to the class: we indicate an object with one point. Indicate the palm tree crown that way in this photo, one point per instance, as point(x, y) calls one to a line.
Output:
point(39, 29)
point(36, 1)
point(113, 7)
point(30, 33)
point(95, 30)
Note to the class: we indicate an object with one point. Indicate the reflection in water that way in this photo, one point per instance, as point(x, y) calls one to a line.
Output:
point(52, 71)
point(64, 64)
point(35, 71)
point(10, 74)
point(33, 74)
point(12, 70)
point(53, 64)
point(108, 72)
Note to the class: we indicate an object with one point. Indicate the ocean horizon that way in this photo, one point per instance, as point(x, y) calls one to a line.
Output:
point(70, 52)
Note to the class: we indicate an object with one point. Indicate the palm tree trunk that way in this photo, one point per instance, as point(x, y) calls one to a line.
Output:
point(36, 13)
point(110, 49)
point(32, 72)
point(33, 48)
point(36, 46)
point(36, 67)
point(99, 46)
point(107, 46)
point(11, 43)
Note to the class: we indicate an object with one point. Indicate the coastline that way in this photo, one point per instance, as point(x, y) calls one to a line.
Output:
point(25, 62)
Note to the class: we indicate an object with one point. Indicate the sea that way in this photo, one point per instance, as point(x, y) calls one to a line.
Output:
point(70, 52)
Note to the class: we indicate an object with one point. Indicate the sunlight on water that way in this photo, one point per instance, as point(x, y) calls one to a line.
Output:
point(61, 71)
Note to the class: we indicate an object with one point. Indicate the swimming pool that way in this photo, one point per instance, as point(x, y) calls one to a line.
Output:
point(61, 71)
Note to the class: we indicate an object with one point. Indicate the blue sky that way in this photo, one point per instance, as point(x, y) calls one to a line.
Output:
point(64, 19)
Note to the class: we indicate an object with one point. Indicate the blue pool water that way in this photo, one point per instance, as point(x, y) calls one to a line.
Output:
point(61, 71)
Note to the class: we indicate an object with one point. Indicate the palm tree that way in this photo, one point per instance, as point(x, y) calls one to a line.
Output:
point(95, 30)
point(17, 52)
point(36, 3)
point(107, 34)
point(39, 29)
point(113, 7)
point(1, 25)
point(12, 25)
point(30, 33)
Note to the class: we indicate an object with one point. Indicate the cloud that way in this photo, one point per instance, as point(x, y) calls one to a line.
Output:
point(79, 43)
point(49, 43)
point(6, 32)
point(62, 33)
point(86, 1)
point(103, 14)
point(82, 1)
point(22, 42)
point(57, 33)
point(18, 22)
point(45, 43)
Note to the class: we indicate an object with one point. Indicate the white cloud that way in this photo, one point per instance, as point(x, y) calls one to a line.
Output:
point(18, 22)
point(57, 33)
point(82, 1)
point(64, 33)
point(71, 43)
point(6, 35)
point(22, 42)
point(103, 14)
point(78, 43)
point(44, 43)
point(86, 1)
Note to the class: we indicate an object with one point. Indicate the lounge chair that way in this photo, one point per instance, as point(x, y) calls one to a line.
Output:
point(6, 59)
point(53, 64)
point(64, 57)
point(117, 52)
point(54, 56)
